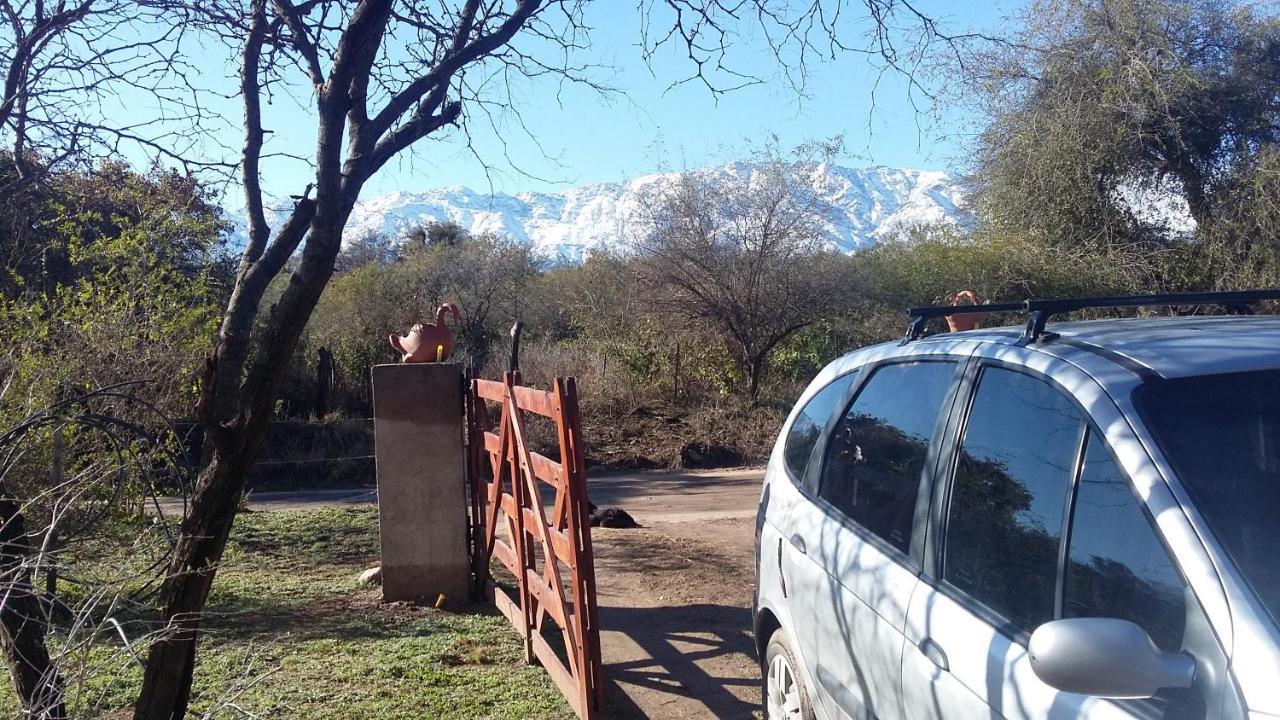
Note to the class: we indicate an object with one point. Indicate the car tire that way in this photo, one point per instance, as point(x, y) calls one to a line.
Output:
point(785, 695)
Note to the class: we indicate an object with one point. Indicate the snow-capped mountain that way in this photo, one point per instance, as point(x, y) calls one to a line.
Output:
point(864, 205)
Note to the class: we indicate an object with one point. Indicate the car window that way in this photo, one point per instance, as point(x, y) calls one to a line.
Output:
point(1221, 433)
point(875, 457)
point(1009, 494)
point(811, 421)
point(1117, 566)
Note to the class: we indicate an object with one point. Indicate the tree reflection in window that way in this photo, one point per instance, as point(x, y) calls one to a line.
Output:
point(876, 454)
point(1009, 495)
point(1118, 567)
point(810, 422)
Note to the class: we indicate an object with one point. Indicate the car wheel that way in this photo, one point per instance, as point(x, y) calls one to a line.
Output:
point(785, 696)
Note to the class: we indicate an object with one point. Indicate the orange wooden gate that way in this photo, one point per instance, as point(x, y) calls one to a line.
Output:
point(548, 556)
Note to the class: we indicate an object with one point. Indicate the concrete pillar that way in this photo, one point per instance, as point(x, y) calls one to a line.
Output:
point(422, 506)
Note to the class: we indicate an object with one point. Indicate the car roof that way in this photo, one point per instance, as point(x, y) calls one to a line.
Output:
point(1168, 346)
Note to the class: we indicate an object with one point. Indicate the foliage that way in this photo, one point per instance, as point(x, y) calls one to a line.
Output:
point(75, 225)
point(1102, 111)
point(489, 278)
point(112, 276)
point(997, 267)
point(110, 281)
point(743, 257)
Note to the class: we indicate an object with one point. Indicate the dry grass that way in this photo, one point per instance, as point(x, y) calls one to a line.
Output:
point(631, 424)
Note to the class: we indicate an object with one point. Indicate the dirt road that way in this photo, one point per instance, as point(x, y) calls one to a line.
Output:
point(649, 496)
point(675, 618)
point(675, 594)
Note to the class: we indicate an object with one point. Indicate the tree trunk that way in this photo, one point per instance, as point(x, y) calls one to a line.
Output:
point(166, 686)
point(171, 660)
point(166, 683)
point(755, 369)
point(22, 623)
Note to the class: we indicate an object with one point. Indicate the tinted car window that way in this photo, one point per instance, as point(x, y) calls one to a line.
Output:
point(1222, 435)
point(1117, 566)
point(810, 423)
point(1009, 495)
point(876, 454)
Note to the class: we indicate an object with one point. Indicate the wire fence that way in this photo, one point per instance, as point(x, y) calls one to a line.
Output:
point(303, 454)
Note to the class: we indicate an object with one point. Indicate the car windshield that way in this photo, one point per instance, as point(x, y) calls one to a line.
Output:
point(1222, 435)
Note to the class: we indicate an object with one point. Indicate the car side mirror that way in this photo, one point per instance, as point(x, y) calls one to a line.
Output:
point(1107, 658)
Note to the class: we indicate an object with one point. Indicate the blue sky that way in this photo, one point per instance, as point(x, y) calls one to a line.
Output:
point(580, 137)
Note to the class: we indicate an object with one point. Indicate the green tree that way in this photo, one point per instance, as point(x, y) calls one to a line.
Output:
point(114, 282)
point(59, 231)
point(1101, 112)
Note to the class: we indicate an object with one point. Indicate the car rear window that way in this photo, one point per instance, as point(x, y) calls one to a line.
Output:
point(810, 422)
point(876, 454)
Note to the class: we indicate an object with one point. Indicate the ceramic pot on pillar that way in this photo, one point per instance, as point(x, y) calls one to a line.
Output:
point(429, 342)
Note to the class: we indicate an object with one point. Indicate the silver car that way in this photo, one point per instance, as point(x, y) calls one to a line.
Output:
point(1078, 520)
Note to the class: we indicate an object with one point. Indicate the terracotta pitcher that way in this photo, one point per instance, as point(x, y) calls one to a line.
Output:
point(967, 321)
point(430, 342)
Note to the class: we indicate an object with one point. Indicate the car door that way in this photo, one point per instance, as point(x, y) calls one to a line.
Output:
point(850, 558)
point(790, 511)
point(1033, 488)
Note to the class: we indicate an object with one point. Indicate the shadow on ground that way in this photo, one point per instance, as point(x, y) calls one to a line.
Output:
point(682, 650)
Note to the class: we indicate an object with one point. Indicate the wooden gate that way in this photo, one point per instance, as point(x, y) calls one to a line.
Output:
point(548, 556)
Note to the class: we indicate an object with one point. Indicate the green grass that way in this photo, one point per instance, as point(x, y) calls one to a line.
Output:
point(291, 634)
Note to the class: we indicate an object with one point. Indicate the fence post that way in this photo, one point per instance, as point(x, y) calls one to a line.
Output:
point(56, 478)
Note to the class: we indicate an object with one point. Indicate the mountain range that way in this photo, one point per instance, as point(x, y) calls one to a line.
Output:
point(865, 205)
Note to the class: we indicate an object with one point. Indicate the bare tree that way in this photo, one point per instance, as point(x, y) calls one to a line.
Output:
point(486, 275)
point(743, 253)
point(66, 63)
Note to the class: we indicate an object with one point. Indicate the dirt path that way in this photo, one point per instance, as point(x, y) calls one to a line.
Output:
point(675, 602)
point(649, 496)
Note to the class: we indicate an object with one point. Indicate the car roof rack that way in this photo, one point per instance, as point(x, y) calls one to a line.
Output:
point(1039, 311)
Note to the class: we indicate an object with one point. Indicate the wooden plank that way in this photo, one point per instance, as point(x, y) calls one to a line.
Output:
point(573, 459)
point(560, 543)
point(492, 444)
point(509, 505)
point(506, 606)
point(535, 401)
point(511, 428)
point(560, 675)
point(547, 470)
point(551, 604)
point(505, 555)
point(490, 390)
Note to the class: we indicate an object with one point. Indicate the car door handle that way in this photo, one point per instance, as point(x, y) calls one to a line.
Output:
point(931, 650)
point(797, 542)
